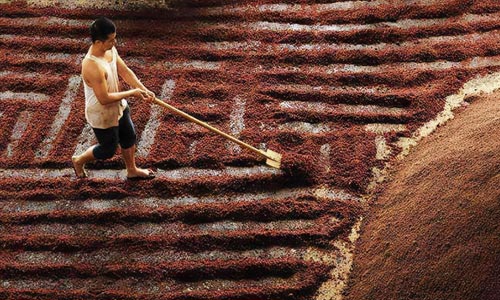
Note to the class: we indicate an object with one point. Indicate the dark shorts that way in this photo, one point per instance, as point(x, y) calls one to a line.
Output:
point(109, 138)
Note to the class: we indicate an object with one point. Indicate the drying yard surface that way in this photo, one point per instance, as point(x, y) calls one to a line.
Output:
point(423, 239)
point(340, 88)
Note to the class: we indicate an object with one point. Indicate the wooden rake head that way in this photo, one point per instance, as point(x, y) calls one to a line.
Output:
point(273, 158)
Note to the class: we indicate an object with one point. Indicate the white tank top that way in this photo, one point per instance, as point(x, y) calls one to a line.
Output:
point(98, 115)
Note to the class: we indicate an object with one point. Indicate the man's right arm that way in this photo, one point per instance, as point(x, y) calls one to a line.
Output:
point(96, 80)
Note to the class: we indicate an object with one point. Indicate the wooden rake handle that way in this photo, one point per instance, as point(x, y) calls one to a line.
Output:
point(267, 154)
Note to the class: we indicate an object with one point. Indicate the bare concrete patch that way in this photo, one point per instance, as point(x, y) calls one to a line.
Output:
point(164, 256)
point(195, 64)
point(305, 127)
point(183, 173)
point(331, 193)
point(236, 123)
point(380, 128)
point(471, 64)
point(156, 112)
point(383, 151)
point(61, 117)
point(113, 4)
point(18, 131)
point(378, 89)
point(387, 46)
point(241, 46)
point(341, 260)
point(160, 229)
point(321, 107)
point(325, 156)
point(74, 206)
point(400, 24)
point(85, 140)
point(313, 8)
point(30, 96)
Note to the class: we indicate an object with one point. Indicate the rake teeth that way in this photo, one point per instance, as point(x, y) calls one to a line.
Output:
point(273, 159)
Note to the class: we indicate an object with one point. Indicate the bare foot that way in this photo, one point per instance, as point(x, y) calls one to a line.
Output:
point(139, 174)
point(78, 167)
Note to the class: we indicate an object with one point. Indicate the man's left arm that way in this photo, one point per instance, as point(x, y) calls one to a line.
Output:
point(130, 78)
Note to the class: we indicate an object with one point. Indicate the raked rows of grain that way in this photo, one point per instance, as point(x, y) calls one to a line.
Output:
point(346, 79)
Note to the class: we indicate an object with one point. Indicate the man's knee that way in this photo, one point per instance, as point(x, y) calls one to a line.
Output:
point(105, 151)
point(128, 140)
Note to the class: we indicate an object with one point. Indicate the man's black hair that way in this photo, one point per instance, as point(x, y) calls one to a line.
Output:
point(101, 28)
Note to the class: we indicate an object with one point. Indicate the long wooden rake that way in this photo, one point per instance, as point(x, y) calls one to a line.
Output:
point(273, 159)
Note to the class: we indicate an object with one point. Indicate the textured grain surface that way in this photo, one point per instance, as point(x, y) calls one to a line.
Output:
point(337, 87)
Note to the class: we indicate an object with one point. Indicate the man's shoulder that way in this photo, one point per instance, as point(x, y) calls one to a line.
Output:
point(88, 62)
point(91, 69)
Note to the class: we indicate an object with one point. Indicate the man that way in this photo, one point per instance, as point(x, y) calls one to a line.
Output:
point(106, 109)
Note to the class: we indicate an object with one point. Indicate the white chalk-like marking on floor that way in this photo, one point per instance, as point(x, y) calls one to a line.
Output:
point(176, 174)
point(400, 24)
point(17, 132)
point(403, 46)
point(69, 206)
point(186, 127)
point(59, 56)
point(369, 90)
point(330, 193)
point(381, 128)
point(103, 256)
point(32, 97)
point(476, 62)
point(236, 123)
point(341, 260)
point(27, 75)
point(321, 107)
point(62, 21)
point(324, 158)
point(51, 56)
point(386, 46)
point(241, 46)
point(383, 151)
point(296, 224)
point(164, 229)
point(85, 140)
point(306, 9)
point(285, 7)
point(13, 37)
point(192, 148)
point(195, 64)
point(266, 48)
point(61, 117)
point(149, 286)
point(305, 127)
point(156, 112)
point(120, 5)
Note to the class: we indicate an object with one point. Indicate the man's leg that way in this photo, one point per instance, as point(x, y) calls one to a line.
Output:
point(127, 142)
point(79, 162)
point(107, 144)
point(132, 170)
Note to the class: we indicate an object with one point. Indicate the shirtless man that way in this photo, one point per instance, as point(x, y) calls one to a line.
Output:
point(106, 109)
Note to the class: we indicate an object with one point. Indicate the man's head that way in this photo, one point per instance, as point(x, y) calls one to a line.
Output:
point(103, 30)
